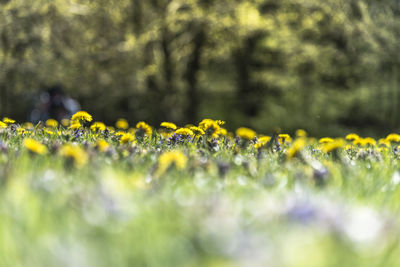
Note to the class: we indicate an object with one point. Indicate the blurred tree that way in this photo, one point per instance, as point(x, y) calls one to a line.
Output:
point(260, 63)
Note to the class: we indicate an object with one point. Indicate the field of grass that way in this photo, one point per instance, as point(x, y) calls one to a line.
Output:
point(83, 194)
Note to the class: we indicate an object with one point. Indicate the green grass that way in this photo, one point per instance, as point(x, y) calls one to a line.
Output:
point(317, 209)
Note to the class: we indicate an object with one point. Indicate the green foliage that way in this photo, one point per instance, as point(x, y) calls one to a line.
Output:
point(291, 63)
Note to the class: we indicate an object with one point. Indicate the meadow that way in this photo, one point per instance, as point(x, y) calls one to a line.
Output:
point(80, 193)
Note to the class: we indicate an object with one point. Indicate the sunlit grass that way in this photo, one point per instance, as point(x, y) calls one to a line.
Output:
point(94, 196)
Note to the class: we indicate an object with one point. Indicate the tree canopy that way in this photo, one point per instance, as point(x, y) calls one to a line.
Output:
point(260, 63)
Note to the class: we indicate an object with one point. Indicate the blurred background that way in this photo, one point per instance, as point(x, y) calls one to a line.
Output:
point(328, 66)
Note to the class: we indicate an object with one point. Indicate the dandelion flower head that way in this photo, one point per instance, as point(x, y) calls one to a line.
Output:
point(82, 116)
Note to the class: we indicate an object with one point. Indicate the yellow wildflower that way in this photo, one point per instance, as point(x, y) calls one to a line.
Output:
point(197, 131)
point(262, 141)
point(368, 141)
point(384, 142)
point(210, 127)
point(393, 137)
point(126, 138)
point(3, 125)
point(167, 159)
point(8, 120)
point(28, 125)
point(77, 154)
point(297, 146)
point(184, 131)
point(220, 123)
point(35, 146)
point(120, 133)
point(352, 137)
point(301, 133)
point(283, 138)
point(75, 125)
point(168, 125)
point(98, 126)
point(82, 116)
point(51, 123)
point(332, 146)
point(65, 122)
point(246, 133)
point(122, 124)
point(102, 145)
point(325, 140)
point(143, 127)
point(223, 131)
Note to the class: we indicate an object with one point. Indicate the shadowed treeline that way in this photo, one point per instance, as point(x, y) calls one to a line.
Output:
point(327, 66)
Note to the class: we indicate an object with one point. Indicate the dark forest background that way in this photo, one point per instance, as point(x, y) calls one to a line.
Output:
point(328, 66)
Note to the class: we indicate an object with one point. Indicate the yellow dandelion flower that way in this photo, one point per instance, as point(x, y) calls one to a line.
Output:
point(333, 146)
point(28, 125)
point(262, 141)
point(393, 137)
point(49, 132)
point(358, 142)
point(120, 133)
point(246, 133)
point(51, 123)
point(220, 123)
point(296, 147)
point(102, 145)
point(197, 131)
point(311, 140)
point(167, 159)
point(65, 122)
point(352, 137)
point(223, 131)
point(284, 138)
point(143, 128)
point(77, 154)
point(97, 126)
point(301, 133)
point(368, 141)
point(122, 124)
point(325, 140)
point(35, 146)
point(210, 127)
point(3, 125)
point(8, 120)
point(384, 142)
point(75, 125)
point(184, 131)
point(168, 125)
point(82, 116)
point(110, 129)
point(126, 138)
